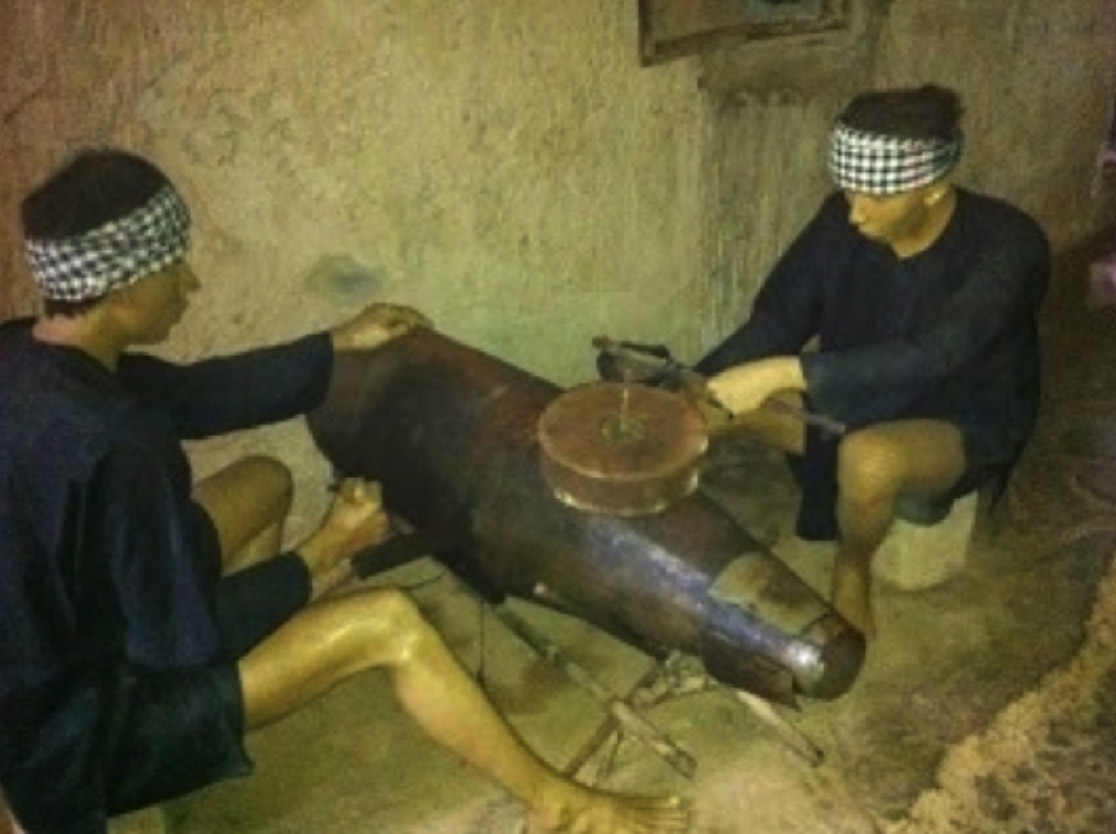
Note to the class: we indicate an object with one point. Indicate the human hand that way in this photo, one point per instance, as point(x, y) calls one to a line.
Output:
point(357, 514)
point(376, 324)
point(717, 418)
point(746, 387)
point(356, 520)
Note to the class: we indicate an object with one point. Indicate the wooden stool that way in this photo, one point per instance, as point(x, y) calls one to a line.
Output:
point(918, 555)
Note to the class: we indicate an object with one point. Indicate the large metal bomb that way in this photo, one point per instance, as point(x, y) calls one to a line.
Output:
point(452, 434)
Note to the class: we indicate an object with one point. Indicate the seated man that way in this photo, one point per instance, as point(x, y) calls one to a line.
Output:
point(921, 300)
point(148, 622)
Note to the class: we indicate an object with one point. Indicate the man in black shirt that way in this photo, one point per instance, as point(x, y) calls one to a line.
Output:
point(147, 623)
point(920, 298)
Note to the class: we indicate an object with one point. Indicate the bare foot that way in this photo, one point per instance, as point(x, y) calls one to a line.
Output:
point(852, 598)
point(585, 811)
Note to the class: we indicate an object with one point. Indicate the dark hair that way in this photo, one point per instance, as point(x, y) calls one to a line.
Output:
point(926, 112)
point(95, 186)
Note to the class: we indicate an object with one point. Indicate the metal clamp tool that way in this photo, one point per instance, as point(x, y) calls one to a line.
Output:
point(638, 362)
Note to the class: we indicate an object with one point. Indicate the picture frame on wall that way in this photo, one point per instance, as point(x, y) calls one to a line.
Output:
point(671, 29)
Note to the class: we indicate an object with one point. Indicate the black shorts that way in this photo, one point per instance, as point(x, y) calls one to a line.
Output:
point(159, 735)
point(988, 458)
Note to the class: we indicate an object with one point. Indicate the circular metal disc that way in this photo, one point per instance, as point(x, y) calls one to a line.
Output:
point(620, 448)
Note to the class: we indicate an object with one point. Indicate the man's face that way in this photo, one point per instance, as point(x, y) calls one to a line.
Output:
point(156, 302)
point(889, 218)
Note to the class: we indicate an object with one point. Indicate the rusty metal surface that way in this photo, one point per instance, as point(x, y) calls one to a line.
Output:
point(621, 449)
point(451, 433)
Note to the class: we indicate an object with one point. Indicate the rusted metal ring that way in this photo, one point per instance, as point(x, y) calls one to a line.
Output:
point(621, 449)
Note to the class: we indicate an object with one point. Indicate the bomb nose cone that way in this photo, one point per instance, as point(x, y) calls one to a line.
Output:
point(841, 657)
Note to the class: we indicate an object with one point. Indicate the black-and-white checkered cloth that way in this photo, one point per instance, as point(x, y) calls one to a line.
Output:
point(121, 251)
point(874, 163)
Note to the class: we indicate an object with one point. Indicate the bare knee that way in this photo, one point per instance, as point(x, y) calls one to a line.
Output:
point(273, 478)
point(407, 623)
point(327, 643)
point(879, 462)
point(385, 626)
point(868, 470)
point(246, 486)
point(248, 503)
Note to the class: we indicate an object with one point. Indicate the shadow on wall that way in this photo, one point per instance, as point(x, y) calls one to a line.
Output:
point(345, 278)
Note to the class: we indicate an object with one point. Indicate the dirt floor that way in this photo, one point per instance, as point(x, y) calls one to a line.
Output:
point(987, 704)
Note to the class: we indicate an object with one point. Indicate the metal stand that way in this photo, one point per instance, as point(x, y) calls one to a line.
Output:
point(667, 681)
point(679, 675)
point(627, 716)
point(790, 735)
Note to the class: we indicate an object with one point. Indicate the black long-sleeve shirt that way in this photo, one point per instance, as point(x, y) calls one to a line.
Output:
point(104, 556)
point(949, 333)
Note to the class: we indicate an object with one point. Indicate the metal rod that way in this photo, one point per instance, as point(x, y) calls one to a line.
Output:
point(696, 382)
point(790, 735)
point(628, 717)
point(824, 423)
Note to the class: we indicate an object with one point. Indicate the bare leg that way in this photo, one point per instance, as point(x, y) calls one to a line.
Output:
point(8, 825)
point(875, 466)
point(248, 502)
point(332, 640)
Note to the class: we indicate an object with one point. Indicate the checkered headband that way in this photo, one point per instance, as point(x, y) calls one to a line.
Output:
point(876, 163)
point(119, 252)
